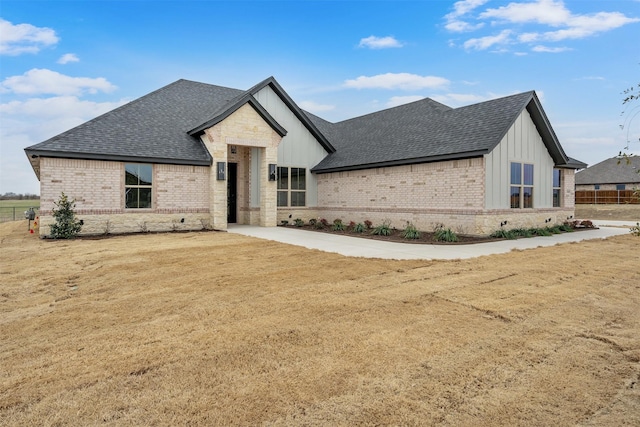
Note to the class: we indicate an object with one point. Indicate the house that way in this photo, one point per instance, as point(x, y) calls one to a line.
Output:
point(615, 173)
point(611, 181)
point(192, 155)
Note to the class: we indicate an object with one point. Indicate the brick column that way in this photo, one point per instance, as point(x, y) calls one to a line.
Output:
point(268, 189)
point(217, 189)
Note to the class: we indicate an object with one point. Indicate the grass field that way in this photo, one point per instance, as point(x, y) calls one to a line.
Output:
point(11, 210)
point(212, 328)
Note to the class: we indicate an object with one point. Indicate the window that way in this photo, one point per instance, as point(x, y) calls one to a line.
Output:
point(596, 187)
point(557, 187)
point(283, 186)
point(138, 186)
point(292, 186)
point(521, 190)
point(620, 187)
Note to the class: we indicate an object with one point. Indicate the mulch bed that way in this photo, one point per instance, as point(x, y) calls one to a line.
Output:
point(426, 238)
point(396, 236)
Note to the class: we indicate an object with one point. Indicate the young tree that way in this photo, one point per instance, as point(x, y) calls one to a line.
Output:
point(630, 95)
point(67, 226)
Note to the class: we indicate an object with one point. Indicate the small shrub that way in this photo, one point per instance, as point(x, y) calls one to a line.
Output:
point(410, 232)
point(635, 230)
point(320, 224)
point(298, 222)
point(337, 225)
point(521, 232)
point(284, 222)
point(445, 235)
point(503, 234)
point(368, 224)
point(312, 222)
point(359, 228)
point(352, 224)
point(555, 229)
point(67, 226)
point(542, 232)
point(566, 228)
point(383, 229)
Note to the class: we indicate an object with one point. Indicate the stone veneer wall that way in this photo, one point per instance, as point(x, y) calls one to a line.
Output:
point(568, 183)
point(180, 196)
point(243, 128)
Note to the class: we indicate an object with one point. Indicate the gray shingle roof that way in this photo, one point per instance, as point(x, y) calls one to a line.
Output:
point(611, 171)
point(153, 127)
point(163, 127)
point(426, 130)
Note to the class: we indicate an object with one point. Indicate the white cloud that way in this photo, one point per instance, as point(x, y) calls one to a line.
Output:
point(314, 107)
point(42, 81)
point(585, 26)
point(460, 9)
point(547, 12)
point(483, 43)
point(24, 38)
point(462, 26)
point(68, 57)
point(32, 121)
point(57, 107)
point(561, 23)
point(403, 81)
point(548, 49)
point(528, 37)
point(394, 101)
point(373, 42)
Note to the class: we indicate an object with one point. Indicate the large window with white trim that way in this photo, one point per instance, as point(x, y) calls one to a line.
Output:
point(292, 186)
point(138, 186)
point(521, 189)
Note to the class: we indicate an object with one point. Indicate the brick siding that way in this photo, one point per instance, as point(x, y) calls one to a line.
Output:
point(179, 192)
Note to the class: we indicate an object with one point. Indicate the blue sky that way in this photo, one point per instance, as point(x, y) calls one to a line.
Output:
point(65, 62)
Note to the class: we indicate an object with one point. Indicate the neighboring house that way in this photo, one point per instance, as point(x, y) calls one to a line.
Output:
point(615, 173)
point(192, 155)
point(612, 181)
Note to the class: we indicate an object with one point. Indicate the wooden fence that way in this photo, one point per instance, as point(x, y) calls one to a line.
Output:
point(606, 197)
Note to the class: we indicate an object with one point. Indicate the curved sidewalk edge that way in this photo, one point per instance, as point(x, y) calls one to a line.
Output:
point(368, 248)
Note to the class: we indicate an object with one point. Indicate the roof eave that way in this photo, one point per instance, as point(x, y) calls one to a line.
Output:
point(402, 162)
point(542, 123)
point(574, 164)
point(35, 154)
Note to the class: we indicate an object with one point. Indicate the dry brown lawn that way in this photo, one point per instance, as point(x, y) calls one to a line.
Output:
point(609, 212)
point(220, 329)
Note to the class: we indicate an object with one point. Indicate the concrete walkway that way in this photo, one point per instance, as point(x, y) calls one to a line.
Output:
point(368, 248)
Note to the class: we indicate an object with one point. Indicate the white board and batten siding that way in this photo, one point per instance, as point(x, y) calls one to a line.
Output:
point(298, 149)
point(522, 144)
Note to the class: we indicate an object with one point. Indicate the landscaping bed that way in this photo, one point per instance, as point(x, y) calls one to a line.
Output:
point(439, 236)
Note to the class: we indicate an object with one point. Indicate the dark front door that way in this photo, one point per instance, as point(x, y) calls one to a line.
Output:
point(232, 190)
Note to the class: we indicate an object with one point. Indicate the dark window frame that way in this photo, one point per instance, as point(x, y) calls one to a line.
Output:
point(557, 188)
point(138, 186)
point(521, 185)
point(292, 186)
